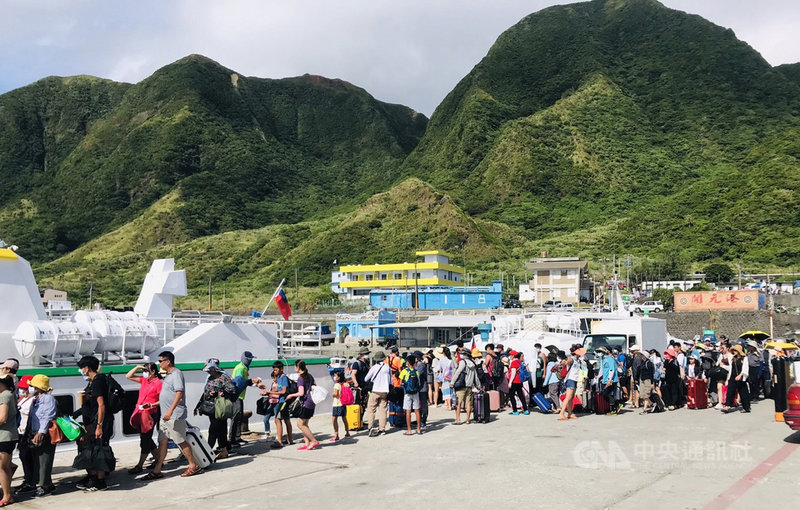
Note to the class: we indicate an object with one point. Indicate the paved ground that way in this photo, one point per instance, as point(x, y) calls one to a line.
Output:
point(681, 459)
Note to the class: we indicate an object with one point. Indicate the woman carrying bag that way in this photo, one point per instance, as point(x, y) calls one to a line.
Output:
point(147, 411)
point(43, 412)
point(8, 435)
point(217, 404)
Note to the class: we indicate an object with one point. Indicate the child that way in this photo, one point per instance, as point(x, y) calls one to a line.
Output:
point(411, 386)
point(272, 409)
point(338, 409)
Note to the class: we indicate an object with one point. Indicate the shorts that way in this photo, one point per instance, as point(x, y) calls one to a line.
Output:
point(569, 384)
point(8, 446)
point(411, 401)
point(282, 411)
point(306, 413)
point(464, 396)
point(337, 411)
point(174, 429)
point(645, 387)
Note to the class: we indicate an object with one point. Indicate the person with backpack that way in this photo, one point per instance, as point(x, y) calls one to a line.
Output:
point(646, 375)
point(465, 379)
point(340, 403)
point(241, 378)
point(98, 419)
point(623, 373)
point(754, 362)
point(146, 413)
point(636, 364)
point(285, 386)
point(411, 382)
point(609, 378)
point(423, 368)
point(380, 375)
point(358, 372)
point(552, 380)
point(518, 375)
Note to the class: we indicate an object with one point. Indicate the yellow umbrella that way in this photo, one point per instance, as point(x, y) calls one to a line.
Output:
point(781, 345)
point(755, 335)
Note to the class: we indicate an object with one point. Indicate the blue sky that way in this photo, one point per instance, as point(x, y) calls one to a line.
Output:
point(411, 52)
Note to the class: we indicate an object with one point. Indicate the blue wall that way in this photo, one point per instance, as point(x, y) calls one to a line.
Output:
point(440, 298)
point(358, 325)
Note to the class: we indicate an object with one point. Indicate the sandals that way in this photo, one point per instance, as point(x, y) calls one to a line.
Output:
point(563, 419)
point(6, 502)
point(135, 470)
point(189, 472)
point(408, 433)
point(152, 475)
point(312, 446)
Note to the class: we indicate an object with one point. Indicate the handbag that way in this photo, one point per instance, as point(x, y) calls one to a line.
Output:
point(56, 435)
point(223, 408)
point(206, 407)
point(70, 427)
point(296, 407)
point(262, 405)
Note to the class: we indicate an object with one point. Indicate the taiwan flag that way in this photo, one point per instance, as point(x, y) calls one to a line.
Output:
point(283, 305)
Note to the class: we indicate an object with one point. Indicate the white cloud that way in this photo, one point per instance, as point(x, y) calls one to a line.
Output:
point(411, 52)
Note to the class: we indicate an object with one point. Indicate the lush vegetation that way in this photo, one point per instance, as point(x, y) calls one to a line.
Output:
point(592, 129)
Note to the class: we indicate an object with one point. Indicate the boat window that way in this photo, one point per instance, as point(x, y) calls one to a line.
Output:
point(66, 404)
point(131, 396)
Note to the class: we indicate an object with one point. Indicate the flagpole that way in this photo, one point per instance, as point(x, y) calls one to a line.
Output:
point(280, 285)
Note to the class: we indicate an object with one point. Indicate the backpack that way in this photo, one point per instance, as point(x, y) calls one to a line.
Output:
point(560, 371)
point(346, 395)
point(411, 384)
point(483, 377)
point(524, 375)
point(116, 395)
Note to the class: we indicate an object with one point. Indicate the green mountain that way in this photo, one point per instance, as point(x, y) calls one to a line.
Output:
point(654, 127)
point(239, 152)
point(591, 129)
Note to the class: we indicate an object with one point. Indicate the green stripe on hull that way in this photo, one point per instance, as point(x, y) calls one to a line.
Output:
point(124, 369)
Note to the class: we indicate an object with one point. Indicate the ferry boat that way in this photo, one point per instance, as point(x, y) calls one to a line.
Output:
point(122, 340)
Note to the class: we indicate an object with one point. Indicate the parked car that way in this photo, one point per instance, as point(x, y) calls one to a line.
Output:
point(791, 416)
point(568, 307)
point(648, 306)
point(513, 303)
point(550, 304)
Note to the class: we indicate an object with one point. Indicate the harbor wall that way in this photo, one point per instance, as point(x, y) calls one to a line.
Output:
point(729, 323)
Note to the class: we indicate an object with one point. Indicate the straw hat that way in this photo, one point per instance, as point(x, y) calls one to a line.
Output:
point(41, 382)
point(738, 349)
point(476, 353)
point(439, 352)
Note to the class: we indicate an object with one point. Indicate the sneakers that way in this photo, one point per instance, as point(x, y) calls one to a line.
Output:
point(24, 489)
point(44, 491)
point(526, 413)
point(85, 483)
point(514, 413)
point(373, 432)
point(97, 485)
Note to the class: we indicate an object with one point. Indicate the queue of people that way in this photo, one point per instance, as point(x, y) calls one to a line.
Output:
point(393, 388)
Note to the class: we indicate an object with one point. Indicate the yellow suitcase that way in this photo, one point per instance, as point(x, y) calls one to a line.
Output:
point(352, 416)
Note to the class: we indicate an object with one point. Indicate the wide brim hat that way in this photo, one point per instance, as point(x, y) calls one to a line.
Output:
point(438, 352)
point(378, 356)
point(752, 343)
point(602, 349)
point(41, 382)
point(738, 348)
point(23, 381)
point(580, 352)
point(476, 353)
point(363, 350)
point(211, 367)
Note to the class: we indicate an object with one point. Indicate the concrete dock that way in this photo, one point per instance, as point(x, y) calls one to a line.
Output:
point(683, 459)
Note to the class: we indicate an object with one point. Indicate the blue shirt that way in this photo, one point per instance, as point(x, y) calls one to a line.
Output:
point(551, 377)
point(43, 411)
point(283, 382)
point(609, 369)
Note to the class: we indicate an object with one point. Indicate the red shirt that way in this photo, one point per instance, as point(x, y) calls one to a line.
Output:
point(149, 391)
point(515, 365)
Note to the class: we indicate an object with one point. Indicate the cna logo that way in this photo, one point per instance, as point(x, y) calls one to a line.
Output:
point(596, 455)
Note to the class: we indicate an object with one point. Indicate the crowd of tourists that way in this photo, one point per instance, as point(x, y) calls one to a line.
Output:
point(392, 389)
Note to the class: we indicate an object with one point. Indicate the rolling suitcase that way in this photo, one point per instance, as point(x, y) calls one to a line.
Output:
point(697, 394)
point(658, 404)
point(588, 402)
point(203, 455)
point(397, 416)
point(542, 403)
point(600, 403)
point(482, 407)
point(352, 415)
point(494, 400)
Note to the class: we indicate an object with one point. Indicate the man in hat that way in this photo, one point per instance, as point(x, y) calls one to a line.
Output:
point(358, 371)
point(380, 375)
point(609, 378)
point(754, 361)
point(43, 411)
point(241, 379)
point(636, 363)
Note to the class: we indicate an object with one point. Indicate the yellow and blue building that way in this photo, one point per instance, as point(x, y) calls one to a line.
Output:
point(434, 270)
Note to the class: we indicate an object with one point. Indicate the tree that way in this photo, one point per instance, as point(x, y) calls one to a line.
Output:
point(665, 296)
point(718, 273)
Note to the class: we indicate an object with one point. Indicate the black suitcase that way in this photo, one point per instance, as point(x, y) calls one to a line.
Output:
point(397, 416)
point(482, 405)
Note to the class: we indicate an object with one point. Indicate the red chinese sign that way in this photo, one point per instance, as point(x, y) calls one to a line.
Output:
point(717, 300)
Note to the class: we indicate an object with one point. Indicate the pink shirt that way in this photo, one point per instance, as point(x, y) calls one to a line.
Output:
point(149, 391)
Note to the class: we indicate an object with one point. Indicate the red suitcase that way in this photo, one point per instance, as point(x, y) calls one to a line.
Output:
point(601, 405)
point(697, 394)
